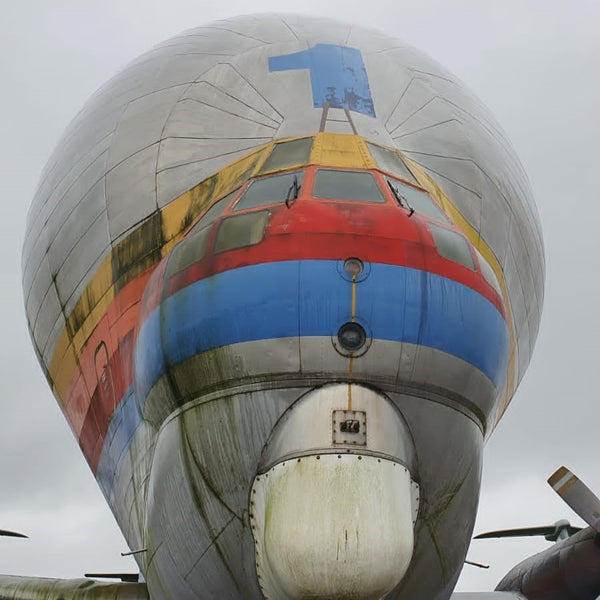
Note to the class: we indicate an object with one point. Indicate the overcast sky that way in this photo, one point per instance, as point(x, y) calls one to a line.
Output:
point(535, 64)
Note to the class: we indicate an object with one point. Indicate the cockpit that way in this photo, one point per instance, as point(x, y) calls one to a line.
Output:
point(293, 191)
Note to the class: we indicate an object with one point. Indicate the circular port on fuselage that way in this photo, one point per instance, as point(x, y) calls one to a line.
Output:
point(351, 336)
point(353, 266)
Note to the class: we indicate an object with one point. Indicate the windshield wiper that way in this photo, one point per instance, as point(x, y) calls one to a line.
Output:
point(402, 201)
point(292, 193)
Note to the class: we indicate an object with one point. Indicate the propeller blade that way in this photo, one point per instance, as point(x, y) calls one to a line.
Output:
point(577, 495)
point(11, 533)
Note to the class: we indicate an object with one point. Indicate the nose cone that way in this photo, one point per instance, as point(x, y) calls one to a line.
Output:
point(334, 506)
point(333, 526)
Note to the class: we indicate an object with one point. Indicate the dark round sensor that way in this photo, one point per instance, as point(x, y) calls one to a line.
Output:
point(352, 337)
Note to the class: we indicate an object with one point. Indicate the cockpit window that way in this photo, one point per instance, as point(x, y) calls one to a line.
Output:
point(269, 190)
point(241, 230)
point(390, 161)
point(214, 212)
point(189, 251)
point(420, 200)
point(288, 154)
point(452, 245)
point(488, 273)
point(346, 185)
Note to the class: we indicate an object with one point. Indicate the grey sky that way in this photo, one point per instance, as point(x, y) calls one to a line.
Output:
point(535, 64)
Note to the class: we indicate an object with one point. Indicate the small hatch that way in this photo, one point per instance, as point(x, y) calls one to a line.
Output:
point(349, 427)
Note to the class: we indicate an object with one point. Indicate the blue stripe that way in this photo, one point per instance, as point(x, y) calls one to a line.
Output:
point(309, 298)
point(123, 425)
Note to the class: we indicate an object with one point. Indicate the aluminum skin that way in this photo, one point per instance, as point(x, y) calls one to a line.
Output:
point(179, 319)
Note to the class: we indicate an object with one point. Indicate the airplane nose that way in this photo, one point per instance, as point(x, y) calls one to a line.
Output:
point(334, 504)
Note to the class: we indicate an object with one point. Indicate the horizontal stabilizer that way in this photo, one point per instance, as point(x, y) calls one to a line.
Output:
point(38, 588)
point(11, 533)
point(559, 530)
point(487, 596)
point(577, 495)
point(125, 577)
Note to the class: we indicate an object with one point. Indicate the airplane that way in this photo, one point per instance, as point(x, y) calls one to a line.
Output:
point(283, 276)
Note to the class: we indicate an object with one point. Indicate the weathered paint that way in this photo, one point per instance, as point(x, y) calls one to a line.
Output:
point(357, 541)
point(176, 426)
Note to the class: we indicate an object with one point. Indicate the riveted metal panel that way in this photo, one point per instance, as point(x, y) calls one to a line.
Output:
point(142, 123)
point(241, 361)
point(495, 225)
point(47, 316)
point(41, 280)
point(269, 27)
point(70, 303)
point(70, 190)
point(312, 30)
point(131, 191)
point(75, 224)
point(92, 244)
point(54, 335)
point(195, 119)
point(248, 105)
point(36, 252)
point(177, 180)
point(183, 152)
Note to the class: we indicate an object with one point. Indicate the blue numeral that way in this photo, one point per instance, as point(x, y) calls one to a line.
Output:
point(337, 75)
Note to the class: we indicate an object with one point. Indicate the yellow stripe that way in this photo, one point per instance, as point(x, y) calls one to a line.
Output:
point(341, 150)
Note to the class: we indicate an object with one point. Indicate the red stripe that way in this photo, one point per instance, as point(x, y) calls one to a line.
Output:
point(335, 231)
